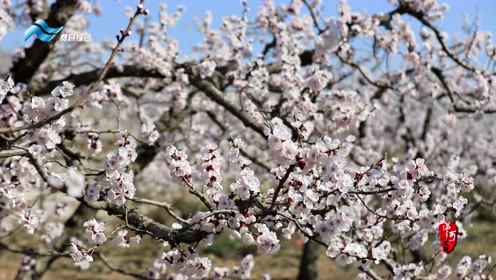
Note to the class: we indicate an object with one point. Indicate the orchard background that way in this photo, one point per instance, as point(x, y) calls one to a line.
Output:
point(298, 139)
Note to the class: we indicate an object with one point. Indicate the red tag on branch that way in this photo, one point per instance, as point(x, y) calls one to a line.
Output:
point(448, 233)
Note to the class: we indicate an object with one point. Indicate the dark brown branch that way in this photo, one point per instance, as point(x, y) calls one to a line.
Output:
point(216, 95)
point(254, 159)
point(439, 74)
point(420, 17)
point(148, 226)
point(314, 17)
point(281, 185)
point(372, 192)
point(33, 14)
point(473, 110)
point(87, 78)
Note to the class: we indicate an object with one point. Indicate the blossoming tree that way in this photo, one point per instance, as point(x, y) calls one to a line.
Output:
point(356, 133)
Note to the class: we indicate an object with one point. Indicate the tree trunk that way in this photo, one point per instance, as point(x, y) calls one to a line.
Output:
point(309, 268)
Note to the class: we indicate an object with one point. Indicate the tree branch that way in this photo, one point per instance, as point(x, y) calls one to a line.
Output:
point(148, 226)
point(163, 205)
point(216, 95)
point(87, 78)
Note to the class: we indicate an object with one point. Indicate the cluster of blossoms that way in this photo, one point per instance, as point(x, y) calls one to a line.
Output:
point(280, 141)
point(179, 165)
point(348, 112)
point(39, 108)
point(95, 232)
point(124, 240)
point(72, 181)
point(6, 23)
point(265, 239)
point(53, 230)
point(188, 262)
point(115, 164)
point(28, 263)
point(207, 224)
point(110, 92)
point(45, 139)
point(207, 68)
point(467, 268)
point(245, 228)
point(80, 254)
point(12, 191)
point(246, 185)
point(243, 271)
point(234, 156)
point(211, 173)
point(94, 144)
point(192, 266)
point(329, 40)
point(6, 85)
point(149, 133)
point(31, 221)
point(432, 9)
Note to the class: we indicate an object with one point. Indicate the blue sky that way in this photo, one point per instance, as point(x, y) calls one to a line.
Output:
point(113, 18)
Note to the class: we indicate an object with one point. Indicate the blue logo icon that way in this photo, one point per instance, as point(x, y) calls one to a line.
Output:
point(42, 31)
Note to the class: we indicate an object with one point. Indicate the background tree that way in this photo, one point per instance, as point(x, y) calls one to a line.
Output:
point(354, 133)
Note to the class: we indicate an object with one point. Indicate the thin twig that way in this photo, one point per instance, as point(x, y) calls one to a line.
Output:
point(118, 270)
point(163, 205)
point(281, 185)
point(314, 17)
